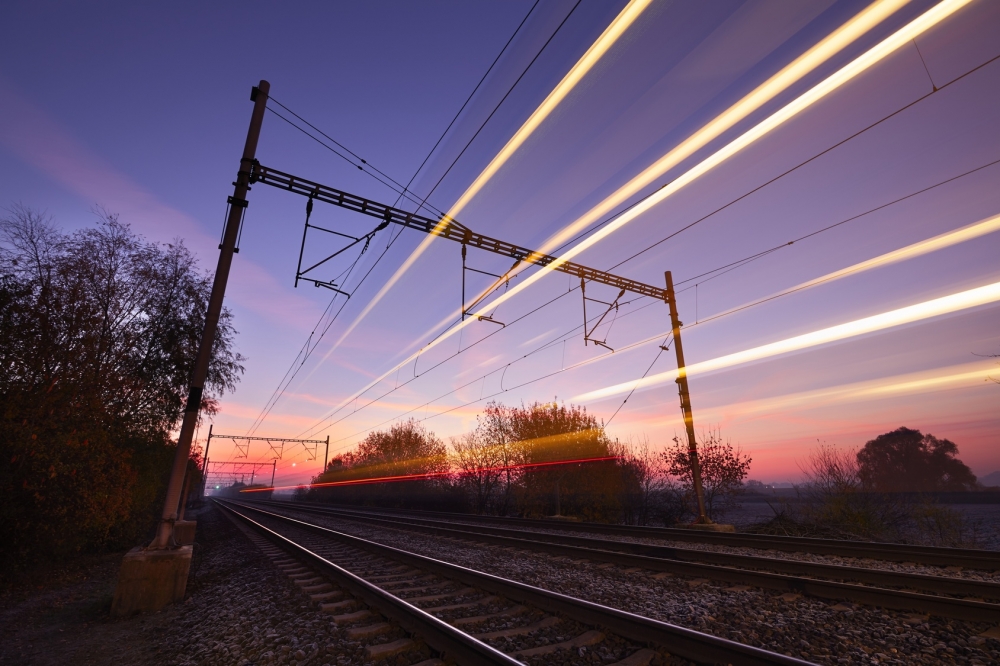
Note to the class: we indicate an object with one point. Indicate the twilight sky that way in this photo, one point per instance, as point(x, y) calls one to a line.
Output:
point(142, 110)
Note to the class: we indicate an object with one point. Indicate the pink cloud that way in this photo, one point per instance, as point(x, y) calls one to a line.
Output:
point(40, 141)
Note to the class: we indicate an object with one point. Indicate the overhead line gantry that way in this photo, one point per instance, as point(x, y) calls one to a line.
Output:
point(450, 229)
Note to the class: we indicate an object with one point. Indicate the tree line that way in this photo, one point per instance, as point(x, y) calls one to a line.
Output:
point(542, 459)
point(547, 459)
point(100, 330)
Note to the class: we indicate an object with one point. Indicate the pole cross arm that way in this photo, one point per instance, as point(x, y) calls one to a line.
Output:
point(444, 227)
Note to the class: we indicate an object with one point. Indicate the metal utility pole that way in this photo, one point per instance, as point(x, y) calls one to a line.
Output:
point(274, 467)
point(682, 389)
point(204, 468)
point(451, 229)
point(237, 207)
point(326, 456)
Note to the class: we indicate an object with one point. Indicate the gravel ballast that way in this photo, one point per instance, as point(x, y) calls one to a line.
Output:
point(827, 633)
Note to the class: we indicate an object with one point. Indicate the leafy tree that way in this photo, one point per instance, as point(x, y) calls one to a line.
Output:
point(646, 493)
point(480, 471)
point(723, 469)
point(100, 330)
point(568, 437)
point(906, 460)
point(405, 450)
point(500, 444)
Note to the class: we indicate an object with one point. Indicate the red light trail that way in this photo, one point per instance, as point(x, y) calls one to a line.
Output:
point(430, 475)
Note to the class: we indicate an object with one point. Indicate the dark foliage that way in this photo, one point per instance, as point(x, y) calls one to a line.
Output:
point(906, 460)
point(100, 330)
point(403, 454)
point(723, 470)
point(853, 495)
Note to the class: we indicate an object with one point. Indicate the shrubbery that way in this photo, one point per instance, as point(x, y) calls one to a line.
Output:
point(100, 331)
point(881, 492)
point(536, 460)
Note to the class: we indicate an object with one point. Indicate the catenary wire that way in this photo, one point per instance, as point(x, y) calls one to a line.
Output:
point(722, 270)
point(759, 255)
point(648, 340)
point(280, 390)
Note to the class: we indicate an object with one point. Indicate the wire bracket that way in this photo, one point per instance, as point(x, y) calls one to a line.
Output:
point(613, 305)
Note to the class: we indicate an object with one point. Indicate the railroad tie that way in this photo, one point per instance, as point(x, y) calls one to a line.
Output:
point(641, 658)
point(369, 630)
point(352, 617)
point(336, 607)
point(324, 588)
point(386, 650)
point(544, 623)
point(445, 595)
point(322, 596)
point(585, 639)
point(467, 604)
point(514, 610)
point(310, 582)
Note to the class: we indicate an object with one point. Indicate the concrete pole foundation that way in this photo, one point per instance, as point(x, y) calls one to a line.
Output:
point(150, 580)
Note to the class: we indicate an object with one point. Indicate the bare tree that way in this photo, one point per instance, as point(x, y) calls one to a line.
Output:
point(480, 470)
point(645, 489)
point(723, 469)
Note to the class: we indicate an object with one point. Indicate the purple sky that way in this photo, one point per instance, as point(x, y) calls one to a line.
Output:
point(143, 109)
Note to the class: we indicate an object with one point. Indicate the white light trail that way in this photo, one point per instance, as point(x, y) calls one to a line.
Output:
point(933, 308)
point(608, 38)
point(962, 376)
point(939, 242)
point(842, 76)
point(857, 66)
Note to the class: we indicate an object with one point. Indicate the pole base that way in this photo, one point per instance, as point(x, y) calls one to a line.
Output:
point(184, 532)
point(708, 527)
point(150, 580)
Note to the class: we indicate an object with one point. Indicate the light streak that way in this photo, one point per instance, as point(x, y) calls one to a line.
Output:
point(765, 92)
point(839, 78)
point(933, 308)
point(923, 247)
point(862, 63)
point(608, 38)
point(790, 74)
point(938, 242)
point(940, 379)
point(434, 475)
point(825, 87)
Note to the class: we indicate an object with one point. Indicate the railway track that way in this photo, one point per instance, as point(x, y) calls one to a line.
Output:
point(468, 616)
point(936, 595)
point(986, 560)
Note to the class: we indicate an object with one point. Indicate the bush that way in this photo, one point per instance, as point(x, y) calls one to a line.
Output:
point(723, 469)
point(844, 499)
point(100, 330)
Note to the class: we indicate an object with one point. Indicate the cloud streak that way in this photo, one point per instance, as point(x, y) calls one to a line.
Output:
point(40, 141)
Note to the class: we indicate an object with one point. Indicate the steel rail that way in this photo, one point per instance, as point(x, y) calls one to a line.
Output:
point(970, 558)
point(445, 227)
point(913, 581)
point(679, 641)
point(661, 558)
point(437, 633)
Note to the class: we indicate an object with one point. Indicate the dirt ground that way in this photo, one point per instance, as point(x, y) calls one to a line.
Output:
point(60, 615)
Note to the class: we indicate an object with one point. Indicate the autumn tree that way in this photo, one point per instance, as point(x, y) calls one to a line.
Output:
point(100, 331)
point(563, 447)
point(906, 460)
point(498, 442)
point(646, 493)
point(479, 470)
point(723, 469)
point(389, 467)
